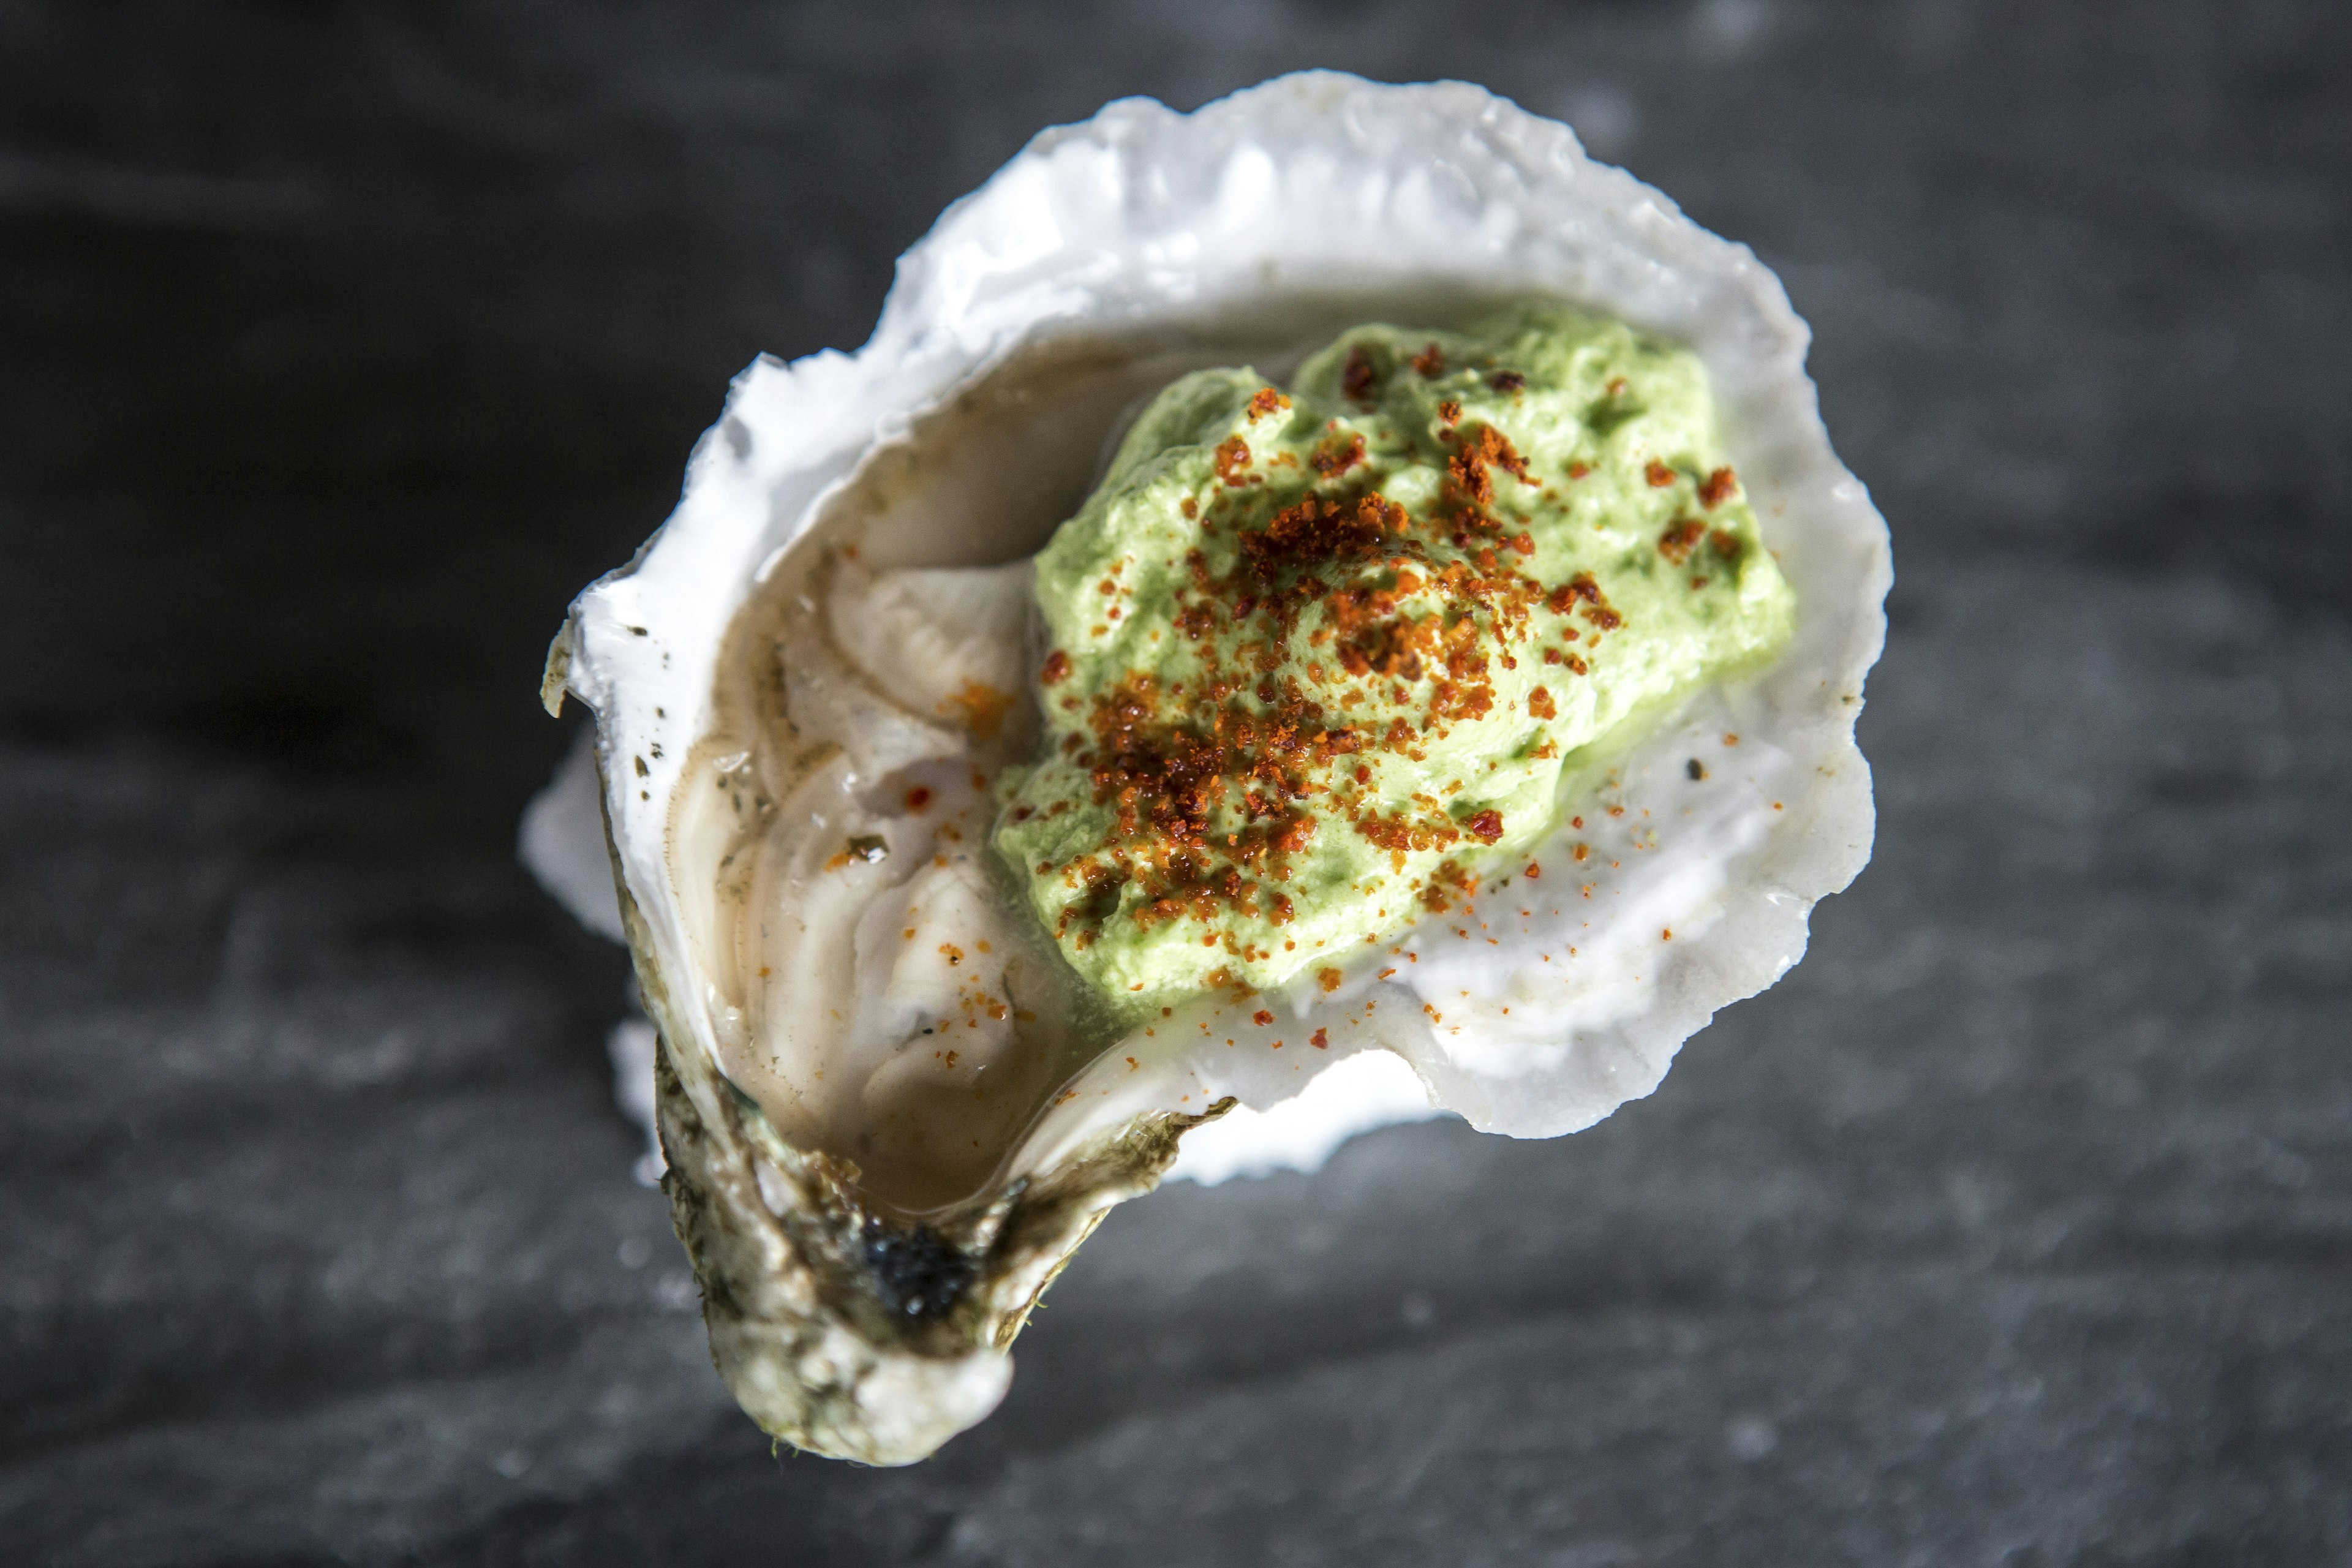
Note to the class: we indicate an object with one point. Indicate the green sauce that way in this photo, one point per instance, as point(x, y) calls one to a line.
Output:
point(1319, 659)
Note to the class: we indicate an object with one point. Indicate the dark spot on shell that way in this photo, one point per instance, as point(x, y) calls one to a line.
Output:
point(915, 1273)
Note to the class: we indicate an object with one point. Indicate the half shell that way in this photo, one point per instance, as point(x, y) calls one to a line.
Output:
point(1104, 260)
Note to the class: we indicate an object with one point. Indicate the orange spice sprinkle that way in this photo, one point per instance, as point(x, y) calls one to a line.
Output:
point(1213, 787)
point(1267, 401)
point(1334, 459)
point(1680, 538)
point(1232, 459)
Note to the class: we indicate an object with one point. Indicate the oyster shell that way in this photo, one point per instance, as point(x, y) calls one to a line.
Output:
point(862, 1294)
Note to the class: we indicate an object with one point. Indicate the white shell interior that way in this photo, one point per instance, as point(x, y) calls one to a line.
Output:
point(1262, 222)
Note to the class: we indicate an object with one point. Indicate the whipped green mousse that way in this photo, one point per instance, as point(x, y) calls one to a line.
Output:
point(1319, 659)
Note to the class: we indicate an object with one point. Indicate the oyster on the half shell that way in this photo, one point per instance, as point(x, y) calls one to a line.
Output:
point(804, 685)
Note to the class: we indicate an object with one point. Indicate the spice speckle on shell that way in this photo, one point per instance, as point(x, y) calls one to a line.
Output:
point(803, 705)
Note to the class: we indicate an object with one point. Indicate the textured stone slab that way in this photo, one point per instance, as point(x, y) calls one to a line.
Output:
point(2015, 1227)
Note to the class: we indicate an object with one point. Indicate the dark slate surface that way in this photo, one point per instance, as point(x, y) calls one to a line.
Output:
point(343, 343)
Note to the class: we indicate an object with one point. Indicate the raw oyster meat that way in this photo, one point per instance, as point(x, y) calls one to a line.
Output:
point(881, 1147)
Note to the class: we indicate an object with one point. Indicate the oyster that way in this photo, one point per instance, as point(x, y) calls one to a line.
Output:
point(881, 1147)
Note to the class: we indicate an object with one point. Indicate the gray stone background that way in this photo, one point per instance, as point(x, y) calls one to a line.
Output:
point(339, 344)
